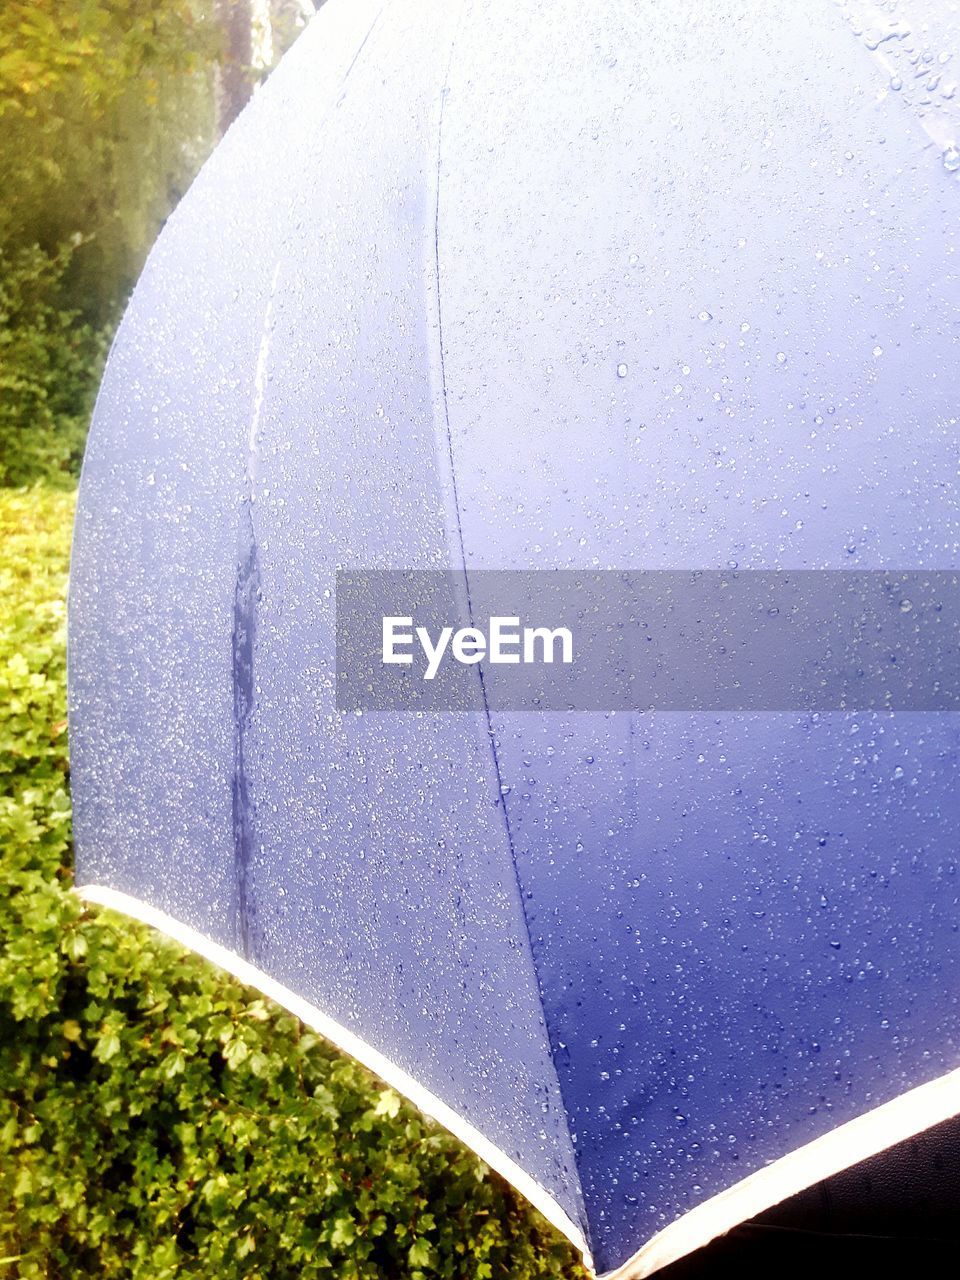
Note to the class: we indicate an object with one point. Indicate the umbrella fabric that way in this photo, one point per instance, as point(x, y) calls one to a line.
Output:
point(514, 286)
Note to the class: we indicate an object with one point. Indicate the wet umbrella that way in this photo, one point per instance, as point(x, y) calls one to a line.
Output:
point(547, 287)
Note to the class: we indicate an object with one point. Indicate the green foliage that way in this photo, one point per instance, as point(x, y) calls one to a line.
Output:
point(48, 48)
point(106, 112)
point(50, 362)
point(157, 1120)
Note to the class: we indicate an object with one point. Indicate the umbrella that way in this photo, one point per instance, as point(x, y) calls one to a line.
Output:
point(507, 286)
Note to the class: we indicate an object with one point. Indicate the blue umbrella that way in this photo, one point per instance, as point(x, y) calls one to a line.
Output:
point(542, 287)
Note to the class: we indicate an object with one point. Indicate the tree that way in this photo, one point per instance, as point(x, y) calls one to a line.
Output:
point(106, 111)
point(255, 34)
point(236, 83)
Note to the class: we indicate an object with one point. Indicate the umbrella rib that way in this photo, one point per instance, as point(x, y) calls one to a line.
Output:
point(498, 777)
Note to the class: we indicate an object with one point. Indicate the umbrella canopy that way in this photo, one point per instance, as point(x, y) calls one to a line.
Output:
point(509, 285)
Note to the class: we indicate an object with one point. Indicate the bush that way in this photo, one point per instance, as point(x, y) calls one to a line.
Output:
point(50, 365)
point(157, 1120)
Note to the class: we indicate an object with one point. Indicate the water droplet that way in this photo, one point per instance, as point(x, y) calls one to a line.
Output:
point(951, 159)
point(622, 370)
point(781, 357)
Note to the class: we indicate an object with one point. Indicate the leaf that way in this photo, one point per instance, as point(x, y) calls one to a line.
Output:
point(388, 1104)
point(107, 1047)
point(420, 1253)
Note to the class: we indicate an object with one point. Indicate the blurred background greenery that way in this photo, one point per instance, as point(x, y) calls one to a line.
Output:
point(107, 110)
point(157, 1120)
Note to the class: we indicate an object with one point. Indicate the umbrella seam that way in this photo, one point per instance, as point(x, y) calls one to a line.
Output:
point(498, 778)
